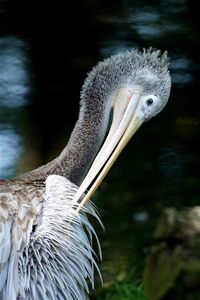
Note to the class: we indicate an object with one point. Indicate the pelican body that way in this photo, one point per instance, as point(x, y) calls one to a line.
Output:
point(45, 236)
point(43, 256)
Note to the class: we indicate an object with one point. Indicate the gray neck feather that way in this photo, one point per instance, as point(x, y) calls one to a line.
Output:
point(86, 138)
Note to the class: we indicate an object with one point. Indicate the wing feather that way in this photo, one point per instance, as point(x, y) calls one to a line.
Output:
point(8, 207)
point(19, 208)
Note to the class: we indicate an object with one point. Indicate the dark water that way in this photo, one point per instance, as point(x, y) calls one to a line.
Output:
point(46, 49)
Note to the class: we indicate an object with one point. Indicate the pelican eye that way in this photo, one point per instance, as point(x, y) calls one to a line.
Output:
point(149, 101)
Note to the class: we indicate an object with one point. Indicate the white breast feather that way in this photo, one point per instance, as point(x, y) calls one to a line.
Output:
point(46, 247)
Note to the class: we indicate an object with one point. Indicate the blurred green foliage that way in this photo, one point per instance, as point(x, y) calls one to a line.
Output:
point(123, 291)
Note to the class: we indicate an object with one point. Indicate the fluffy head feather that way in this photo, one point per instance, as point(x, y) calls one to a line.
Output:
point(147, 70)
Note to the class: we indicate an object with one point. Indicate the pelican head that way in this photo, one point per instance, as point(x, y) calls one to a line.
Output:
point(134, 86)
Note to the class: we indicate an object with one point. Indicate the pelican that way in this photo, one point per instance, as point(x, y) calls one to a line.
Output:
point(45, 235)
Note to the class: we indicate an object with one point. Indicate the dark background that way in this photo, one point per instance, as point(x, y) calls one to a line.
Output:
point(66, 38)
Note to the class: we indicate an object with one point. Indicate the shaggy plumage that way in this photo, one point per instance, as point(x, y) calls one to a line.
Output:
point(46, 246)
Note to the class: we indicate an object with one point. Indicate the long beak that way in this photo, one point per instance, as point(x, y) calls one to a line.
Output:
point(125, 123)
